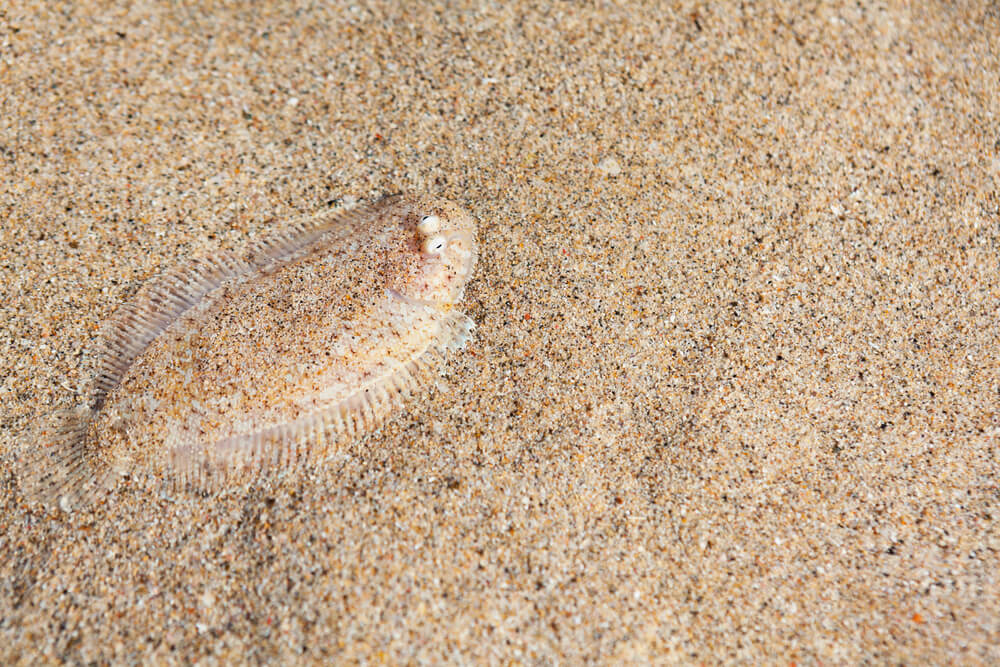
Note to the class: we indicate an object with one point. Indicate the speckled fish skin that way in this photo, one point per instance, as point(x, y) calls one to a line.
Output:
point(305, 341)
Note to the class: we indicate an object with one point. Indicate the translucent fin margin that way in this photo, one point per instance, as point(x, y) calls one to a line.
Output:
point(457, 330)
point(162, 300)
point(240, 459)
point(296, 235)
point(153, 308)
point(56, 469)
point(455, 327)
point(311, 439)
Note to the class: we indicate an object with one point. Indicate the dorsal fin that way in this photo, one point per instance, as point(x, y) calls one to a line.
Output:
point(165, 298)
point(57, 466)
point(303, 232)
point(158, 303)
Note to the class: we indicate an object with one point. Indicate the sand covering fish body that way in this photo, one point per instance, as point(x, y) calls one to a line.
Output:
point(235, 365)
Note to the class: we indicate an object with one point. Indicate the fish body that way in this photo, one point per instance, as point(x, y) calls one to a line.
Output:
point(237, 365)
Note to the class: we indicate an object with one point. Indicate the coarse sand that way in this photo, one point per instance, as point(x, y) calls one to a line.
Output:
point(734, 394)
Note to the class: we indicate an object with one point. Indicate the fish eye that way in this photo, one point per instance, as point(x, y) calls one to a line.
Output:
point(429, 225)
point(434, 245)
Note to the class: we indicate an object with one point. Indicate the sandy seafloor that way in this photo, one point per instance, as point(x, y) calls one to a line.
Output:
point(735, 390)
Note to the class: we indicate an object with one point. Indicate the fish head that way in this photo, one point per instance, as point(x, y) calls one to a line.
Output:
point(435, 253)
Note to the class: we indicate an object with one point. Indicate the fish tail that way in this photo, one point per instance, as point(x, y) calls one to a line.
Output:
point(57, 468)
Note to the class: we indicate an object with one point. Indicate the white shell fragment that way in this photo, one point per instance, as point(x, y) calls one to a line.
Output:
point(232, 366)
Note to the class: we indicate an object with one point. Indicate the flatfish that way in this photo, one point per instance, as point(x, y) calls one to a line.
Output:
point(241, 364)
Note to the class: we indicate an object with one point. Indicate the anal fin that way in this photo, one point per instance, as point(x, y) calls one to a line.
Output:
point(238, 459)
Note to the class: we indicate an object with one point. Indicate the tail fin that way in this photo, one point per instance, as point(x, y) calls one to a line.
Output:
point(56, 468)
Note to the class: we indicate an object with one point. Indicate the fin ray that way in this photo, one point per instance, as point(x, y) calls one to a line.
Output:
point(58, 469)
point(164, 299)
point(314, 437)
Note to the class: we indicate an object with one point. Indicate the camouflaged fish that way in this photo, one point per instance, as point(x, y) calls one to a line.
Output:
point(235, 365)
